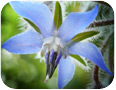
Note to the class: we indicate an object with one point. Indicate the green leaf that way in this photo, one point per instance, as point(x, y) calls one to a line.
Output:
point(79, 59)
point(58, 15)
point(32, 24)
point(84, 35)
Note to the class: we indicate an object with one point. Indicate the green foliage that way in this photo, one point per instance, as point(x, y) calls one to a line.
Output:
point(58, 15)
point(33, 25)
point(79, 59)
point(22, 71)
point(105, 12)
point(84, 35)
point(98, 41)
point(9, 27)
point(72, 7)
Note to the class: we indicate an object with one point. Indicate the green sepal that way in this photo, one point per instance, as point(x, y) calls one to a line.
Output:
point(79, 59)
point(84, 35)
point(32, 24)
point(58, 15)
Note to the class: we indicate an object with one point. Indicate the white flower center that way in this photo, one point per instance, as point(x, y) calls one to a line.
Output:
point(52, 43)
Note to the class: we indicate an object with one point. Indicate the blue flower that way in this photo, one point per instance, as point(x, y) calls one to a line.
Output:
point(55, 44)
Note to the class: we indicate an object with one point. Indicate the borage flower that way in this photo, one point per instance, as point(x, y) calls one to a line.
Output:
point(55, 45)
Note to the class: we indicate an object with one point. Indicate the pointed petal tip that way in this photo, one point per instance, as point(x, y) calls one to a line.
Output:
point(110, 73)
point(91, 52)
point(24, 43)
point(59, 87)
point(3, 46)
point(96, 8)
point(78, 21)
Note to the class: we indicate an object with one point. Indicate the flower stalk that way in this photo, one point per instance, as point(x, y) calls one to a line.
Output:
point(101, 23)
point(97, 85)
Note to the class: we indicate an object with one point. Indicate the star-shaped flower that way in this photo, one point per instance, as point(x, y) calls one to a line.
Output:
point(55, 45)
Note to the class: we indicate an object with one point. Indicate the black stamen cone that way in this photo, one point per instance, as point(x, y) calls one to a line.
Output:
point(50, 67)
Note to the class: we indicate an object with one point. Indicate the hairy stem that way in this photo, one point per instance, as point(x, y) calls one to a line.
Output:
point(106, 43)
point(111, 52)
point(96, 78)
point(101, 23)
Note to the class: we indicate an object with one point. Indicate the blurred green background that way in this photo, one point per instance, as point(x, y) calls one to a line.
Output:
point(23, 71)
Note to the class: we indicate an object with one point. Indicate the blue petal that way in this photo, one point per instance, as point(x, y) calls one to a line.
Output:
point(25, 43)
point(75, 23)
point(89, 51)
point(66, 70)
point(36, 12)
